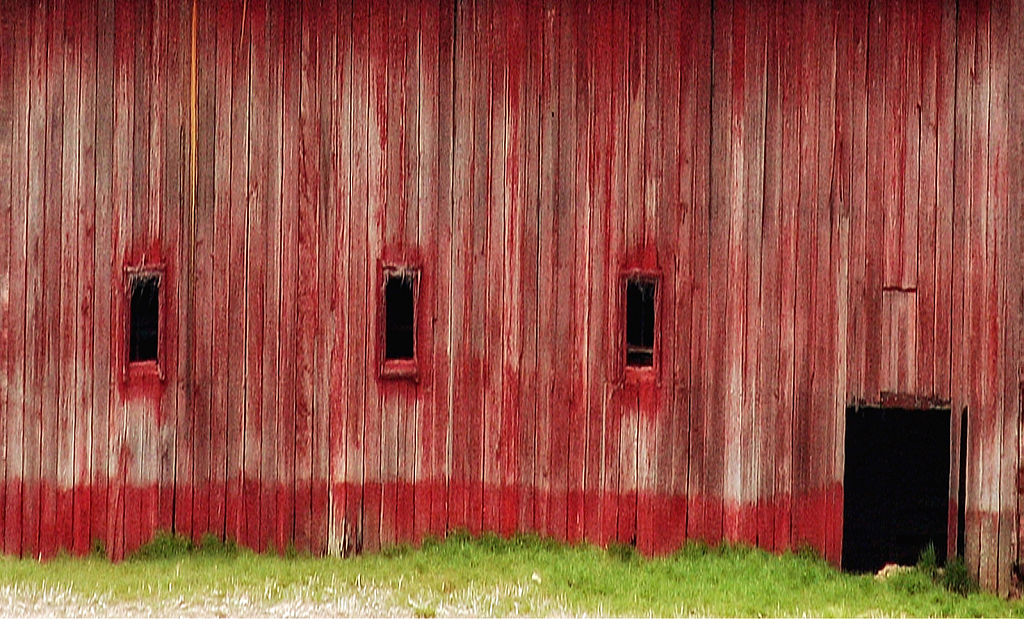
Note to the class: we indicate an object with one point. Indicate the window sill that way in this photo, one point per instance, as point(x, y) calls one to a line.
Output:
point(144, 371)
point(400, 369)
point(636, 375)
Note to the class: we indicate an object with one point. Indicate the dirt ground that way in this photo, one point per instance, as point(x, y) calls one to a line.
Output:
point(369, 602)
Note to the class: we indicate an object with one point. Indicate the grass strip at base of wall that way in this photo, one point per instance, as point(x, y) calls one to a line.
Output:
point(522, 576)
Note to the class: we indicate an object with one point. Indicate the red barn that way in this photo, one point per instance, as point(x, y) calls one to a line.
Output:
point(346, 274)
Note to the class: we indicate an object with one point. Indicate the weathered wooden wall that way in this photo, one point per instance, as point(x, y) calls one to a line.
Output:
point(828, 191)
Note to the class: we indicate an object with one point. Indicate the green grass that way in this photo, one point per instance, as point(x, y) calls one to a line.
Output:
point(491, 576)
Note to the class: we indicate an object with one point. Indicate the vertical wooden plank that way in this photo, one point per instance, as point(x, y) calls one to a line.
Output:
point(286, 503)
point(578, 35)
point(35, 325)
point(697, 478)
point(229, 471)
point(101, 327)
point(895, 143)
point(175, 44)
point(391, 125)
point(325, 323)
point(1015, 156)
point(1006, 276)
point(496, 276)
point(945, 103)
point(546, 264)
point(476, 352)
point(256, 263)
point(719, 310)
point(357, 446)
point(161, 438)
point(308, 284)
point(986, 321)
point(563, 413)
point(119, 461)
point(271, 531)
point(6, 155)
point(912, 152)
point(141, 410)
point(599, 349)
point(341, 169)
point(208, 184)
point(532, 58)
point(965, 40)
point(225, 339)
point(827, 251)
point(786, 490)
point(376, 173)
point(651, 414)
point(875, 207)
point(734, 185)
point(927, 207)
point(458, 515)
point(70, 239)
point(431, 226)
point(629, 446)
point(415, 171)
point(7, 151)
point(52, 417)
point(766, 398)
point(754, 162)
point(447, 23)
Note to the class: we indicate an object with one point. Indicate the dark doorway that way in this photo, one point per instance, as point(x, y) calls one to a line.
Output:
point(896, 487)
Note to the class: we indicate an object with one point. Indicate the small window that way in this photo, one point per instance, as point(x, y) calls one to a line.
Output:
point(399, 296)
point(144, 318)
point(400, 315)
point(641, 294)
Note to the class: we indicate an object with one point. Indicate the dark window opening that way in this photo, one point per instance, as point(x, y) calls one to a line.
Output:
point(399, 315)
point(144, 322)
point(640, 298)
point(896, 486)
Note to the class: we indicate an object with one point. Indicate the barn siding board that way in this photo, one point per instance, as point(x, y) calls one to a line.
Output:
point(272, 158)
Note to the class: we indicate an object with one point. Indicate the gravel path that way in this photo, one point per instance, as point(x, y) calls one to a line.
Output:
point(367, 602)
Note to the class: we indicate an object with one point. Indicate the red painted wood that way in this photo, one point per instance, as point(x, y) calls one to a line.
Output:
point(523, 179)
point(961, 192)
point(228, 491)
point(49, 337)
point(340, 375)
point(102, 331)
point(7, 123)
point(16, 57)
point(257, 528)
point(356, 299)
point(166, 172)
point(327, 207)
point(697, 479)
point(944, 263)
point(427, 460)
point(767, 396)
point(1006, 386)
point(69, 241)
point(308, 282)
point(286, 505)
point(527, 462)
point(207, 482)
point(1014, 54)
point(6, 162)
point(226, 269)
point(498, 281)
point(391, 123)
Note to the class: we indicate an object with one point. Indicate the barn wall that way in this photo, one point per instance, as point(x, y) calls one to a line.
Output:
point(825, 191)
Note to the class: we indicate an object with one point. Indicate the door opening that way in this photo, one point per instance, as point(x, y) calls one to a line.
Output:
point(896, 486)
